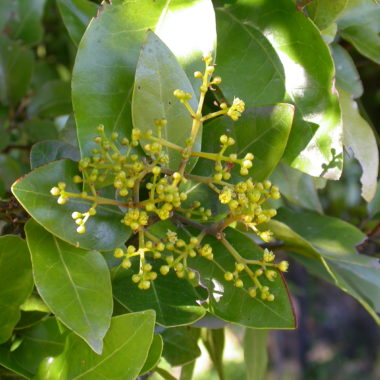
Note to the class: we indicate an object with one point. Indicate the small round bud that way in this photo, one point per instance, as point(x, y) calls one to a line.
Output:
point(61, 200)
point(239, 267)
point(228, 276)
point(156, 170)
point(252, 292)
point(92, 211)
point(223, 139)
point(283, 266)
point(55, 191)
point(76, 215)
point(77, 179)
point(203, 88)
point(239, 283)
point(81, 229)
point(191, 275)
point(136, 278)
point(164, 270)
point(119, 253)
point(126, 263)
point(217, 80)
point(270, 298)
point(198, 75)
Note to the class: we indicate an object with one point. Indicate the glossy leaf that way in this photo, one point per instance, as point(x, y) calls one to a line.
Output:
point(44, 152)
point(296, 187)
point(278, 63)
point(74, 284)
point(126, 347)
point(175, 301)
point(324, 12)
point(115, 37)
point(262, 131)
point(180, 345)
point(225, 300)
point(360, 26)
point(76, 15)
point(332, 243)
point(16, 282)
point(347, 76)
point(39, 342)
point(104, 231)
point(52, 99)
point(158, 74)
point(16, 68)
point(256, 353)
point(154, 354)
point(28, 27)
point(360, 139)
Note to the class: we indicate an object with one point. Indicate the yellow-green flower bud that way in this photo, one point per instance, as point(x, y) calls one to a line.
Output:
point(119, 253)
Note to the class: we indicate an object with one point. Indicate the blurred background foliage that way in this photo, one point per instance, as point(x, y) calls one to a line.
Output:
point(336, 338)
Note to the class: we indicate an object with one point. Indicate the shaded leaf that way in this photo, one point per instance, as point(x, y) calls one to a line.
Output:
point(297, 187)
point(126, 347)
point(213, 340)
point(16, 282)
point(104, 231)
point(16, 68)
point(158, 74)
point(74, 284)
point(154, 354)
point(360, 139)
point(175, 300)
point(332, 243)
point(114, 37)
point(39, 342)
point(262, 40)
point(44, 152)
point(50, 100)
point(180, 345)
point(76, 15)
point(28, 26)
point(360, 25)
point(38, 129)
point(324, 12)
point(347, 76)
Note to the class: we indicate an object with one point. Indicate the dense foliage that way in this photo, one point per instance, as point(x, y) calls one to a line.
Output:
point(161, 164)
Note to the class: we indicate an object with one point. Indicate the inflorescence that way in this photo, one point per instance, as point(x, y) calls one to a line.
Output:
point(115, 162)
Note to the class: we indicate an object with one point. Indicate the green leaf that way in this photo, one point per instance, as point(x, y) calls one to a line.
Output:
point(114, 37)
point(213, 340)
point(154, 354)
point(360, 26)
point(256, 353)
point(126, 347)
point(7, 361)
point(38, 129)
point(39, 342)
point(10, 169)
point(262, 131)
point(28, 26)
point(44, 152)
point(360, 139)
point(374, 205)
point(347, 76)
point(228, 302)
point(175, 300)
point(158, 74)
point(263, 55)
point(297, 187)
point(325, 12)
point(74, 284)
point(51, 100)
point(16, 68)
point(104, 231)
point(332, 243)
point(180, 345)
point(187, 371)
point(16, 282)
point(76, 15)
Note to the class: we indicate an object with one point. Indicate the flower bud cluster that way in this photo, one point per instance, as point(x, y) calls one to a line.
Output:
point(245, 201)
point(236, 109)
point(196, 210)
point(264, 268)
